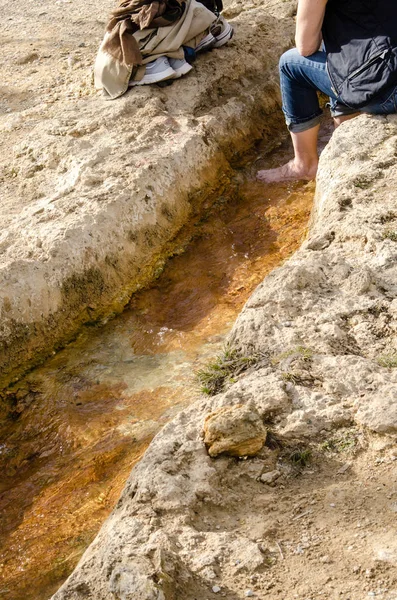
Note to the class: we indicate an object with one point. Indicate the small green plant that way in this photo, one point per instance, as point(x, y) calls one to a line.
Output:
point(327, 446)
point(300, 457)
point(299, 351)
point(224, 368)
point(342, 441)
point(306, 353)
point(390, 235)
point(388, 360)
point(292, 377)
point(298, 377)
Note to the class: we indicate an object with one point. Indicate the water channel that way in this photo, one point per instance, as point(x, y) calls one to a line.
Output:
point(94, 407)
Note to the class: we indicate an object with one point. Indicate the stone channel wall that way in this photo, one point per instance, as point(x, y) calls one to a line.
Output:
point(95, 194)
point(323, 329)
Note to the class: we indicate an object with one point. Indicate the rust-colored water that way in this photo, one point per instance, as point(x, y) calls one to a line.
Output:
point(93, 408)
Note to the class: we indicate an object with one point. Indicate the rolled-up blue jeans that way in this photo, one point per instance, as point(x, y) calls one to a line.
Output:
point(301, 77)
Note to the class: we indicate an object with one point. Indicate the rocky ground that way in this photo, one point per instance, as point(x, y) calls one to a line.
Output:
point(313, 355)
point(308, 387)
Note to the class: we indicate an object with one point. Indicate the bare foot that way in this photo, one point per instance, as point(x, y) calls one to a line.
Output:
point(288, 172)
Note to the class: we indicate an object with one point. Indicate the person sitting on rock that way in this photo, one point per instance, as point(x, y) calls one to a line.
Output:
point(356, 67)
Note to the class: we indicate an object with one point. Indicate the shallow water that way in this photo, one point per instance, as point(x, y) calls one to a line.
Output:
point(92, 409)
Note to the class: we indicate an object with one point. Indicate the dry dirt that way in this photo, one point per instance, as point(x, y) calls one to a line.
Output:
point(324, 531)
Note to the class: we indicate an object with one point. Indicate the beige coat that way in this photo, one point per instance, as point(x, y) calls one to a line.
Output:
point(112, 76)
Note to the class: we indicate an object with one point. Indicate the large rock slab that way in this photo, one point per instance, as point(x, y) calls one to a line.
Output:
point(94, 193)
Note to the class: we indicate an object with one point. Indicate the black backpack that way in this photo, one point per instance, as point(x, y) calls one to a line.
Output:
point(360, 39)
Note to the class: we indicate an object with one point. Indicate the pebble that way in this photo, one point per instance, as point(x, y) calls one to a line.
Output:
point(210, 574)
point(249, 594)
point(325, 559)
point(216, 589)
point(270, 477)
point(343, 469)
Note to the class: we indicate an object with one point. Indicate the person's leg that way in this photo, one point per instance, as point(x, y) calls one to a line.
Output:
point(338, 120)
point(303, 165)
point(300, 79)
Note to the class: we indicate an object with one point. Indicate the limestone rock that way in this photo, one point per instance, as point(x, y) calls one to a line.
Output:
point(337, 293)
point(379, 412)
point(385, 549)
point(234, 430)
point(130, 583)
point(246, 555)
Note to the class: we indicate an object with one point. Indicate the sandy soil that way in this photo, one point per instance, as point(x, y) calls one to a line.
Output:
point(47, 51)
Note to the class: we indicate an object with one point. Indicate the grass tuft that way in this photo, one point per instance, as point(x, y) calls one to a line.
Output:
point(390, 235)
point(223, 369)
point(341, 441)
point(299, 351)
point(300, 457)
point(388, 360)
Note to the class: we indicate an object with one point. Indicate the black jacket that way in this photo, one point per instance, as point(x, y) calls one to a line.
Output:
point(360, 38)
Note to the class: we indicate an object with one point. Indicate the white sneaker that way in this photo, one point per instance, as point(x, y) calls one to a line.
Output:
point(220, 33)
point(226, 33)
point(206, 43)
point(180, 66)
point(157, 70)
